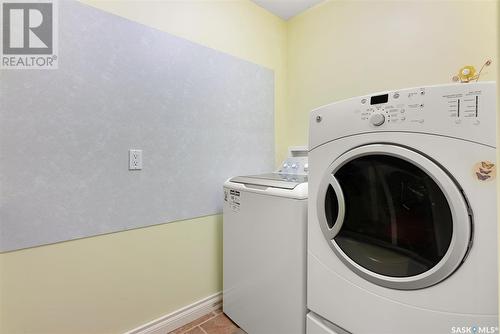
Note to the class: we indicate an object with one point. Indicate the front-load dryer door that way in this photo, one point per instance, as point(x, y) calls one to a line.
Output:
point(393, 216)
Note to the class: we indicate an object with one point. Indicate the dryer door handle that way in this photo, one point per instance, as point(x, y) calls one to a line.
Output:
point(339, 194)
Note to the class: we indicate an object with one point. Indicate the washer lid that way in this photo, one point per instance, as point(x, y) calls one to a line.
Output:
point(274, 180)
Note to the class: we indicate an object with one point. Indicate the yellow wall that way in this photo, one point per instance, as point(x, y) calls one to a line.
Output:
point(112, 283)
point(341, 49)
point(115, 282)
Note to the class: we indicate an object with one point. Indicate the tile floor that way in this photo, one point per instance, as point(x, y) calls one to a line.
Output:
point(215, 322)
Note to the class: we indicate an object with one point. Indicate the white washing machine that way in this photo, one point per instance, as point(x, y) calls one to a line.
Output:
point(402, 222)
point(265, 222)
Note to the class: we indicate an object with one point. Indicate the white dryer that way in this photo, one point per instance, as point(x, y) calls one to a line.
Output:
point(402, 220)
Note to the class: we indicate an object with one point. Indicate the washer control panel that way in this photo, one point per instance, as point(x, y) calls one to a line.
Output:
point(296, 162)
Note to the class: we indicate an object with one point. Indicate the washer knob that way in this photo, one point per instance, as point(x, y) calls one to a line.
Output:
point(377, 119)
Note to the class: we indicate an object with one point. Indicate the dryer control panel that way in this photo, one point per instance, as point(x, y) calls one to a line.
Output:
point(465, 111)
point(395, 108)
point(392, 107)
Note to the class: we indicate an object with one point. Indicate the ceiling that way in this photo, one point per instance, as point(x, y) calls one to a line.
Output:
point(286, 9)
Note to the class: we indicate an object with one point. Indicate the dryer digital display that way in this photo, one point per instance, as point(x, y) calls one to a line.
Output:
point(378, 99)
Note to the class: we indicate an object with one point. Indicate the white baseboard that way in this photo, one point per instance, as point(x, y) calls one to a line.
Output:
point(180, 317)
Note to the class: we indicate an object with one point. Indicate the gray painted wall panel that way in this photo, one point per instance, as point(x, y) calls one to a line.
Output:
point(200, 116)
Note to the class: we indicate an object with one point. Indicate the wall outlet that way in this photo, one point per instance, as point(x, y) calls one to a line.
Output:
point(135, 159)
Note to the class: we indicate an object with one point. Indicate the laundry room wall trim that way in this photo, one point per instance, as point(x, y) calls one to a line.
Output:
point(181, 317)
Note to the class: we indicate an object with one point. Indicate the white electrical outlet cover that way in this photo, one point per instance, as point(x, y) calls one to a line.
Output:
point(135, 159)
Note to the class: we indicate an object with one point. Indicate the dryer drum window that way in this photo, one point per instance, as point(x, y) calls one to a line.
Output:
point(394, 217)
point(397, 220)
